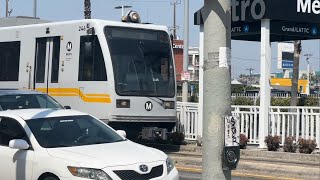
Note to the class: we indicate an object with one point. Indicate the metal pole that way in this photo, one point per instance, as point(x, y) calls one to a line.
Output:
point(7, 8)
point(264, 82)
point(35, 8)
point(308, 77)
point(217, 86)
point(174, 20)
point(201, 48)
point(122, 11)
point(185, 50)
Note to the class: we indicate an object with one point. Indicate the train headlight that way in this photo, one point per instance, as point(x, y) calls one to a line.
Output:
point(132, 16)
point(169, 105)
point(123, 103)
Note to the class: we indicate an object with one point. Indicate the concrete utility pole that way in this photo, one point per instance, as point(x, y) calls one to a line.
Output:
point(295, 74)
point(87, 9)
point(308, 72)
point(185, 50)
point(217, 86)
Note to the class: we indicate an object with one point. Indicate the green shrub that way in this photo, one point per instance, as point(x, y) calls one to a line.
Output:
point(177, 138)
point(280, 101)
point(193, 98)
point(243, 141)
point(242, 101)
point(237, 88)
point(306, 146)
point(303, 101)
point(310, 101)
point(273, 142)
point(290, 145)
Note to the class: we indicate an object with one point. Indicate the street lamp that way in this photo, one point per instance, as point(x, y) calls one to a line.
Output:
point(308, 72)
point(122, 9)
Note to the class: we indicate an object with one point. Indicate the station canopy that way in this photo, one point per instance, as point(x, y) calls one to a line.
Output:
point(289, 19)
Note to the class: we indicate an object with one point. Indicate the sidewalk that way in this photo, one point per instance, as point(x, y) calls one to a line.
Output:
point(256, 163)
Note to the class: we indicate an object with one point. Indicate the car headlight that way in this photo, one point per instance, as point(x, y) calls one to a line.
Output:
point(89, 173)
point(170, 164)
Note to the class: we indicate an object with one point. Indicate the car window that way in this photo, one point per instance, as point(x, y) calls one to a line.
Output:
point(71, 131)
point(10, 129)
point(46, 101)
point(27, 101)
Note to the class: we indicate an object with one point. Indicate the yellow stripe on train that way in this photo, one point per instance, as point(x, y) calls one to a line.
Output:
point(94, 98)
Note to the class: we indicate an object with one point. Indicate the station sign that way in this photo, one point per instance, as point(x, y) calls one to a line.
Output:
point(245, 28)
point(307, 11)
point(295, 10)
point(178, 46)
point(309, 30)
point(285, 55)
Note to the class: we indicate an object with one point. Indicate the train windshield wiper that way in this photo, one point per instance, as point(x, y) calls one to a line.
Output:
point(161, 103)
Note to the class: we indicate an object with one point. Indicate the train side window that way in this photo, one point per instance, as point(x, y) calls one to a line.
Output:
point(9, 61)
point(55, 60)
point(41, 47)
point(91, 62)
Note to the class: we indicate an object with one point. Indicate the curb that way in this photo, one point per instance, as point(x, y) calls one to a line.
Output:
point(253, 158)
point(254, 153)
point(260, 170)
point(240, 174)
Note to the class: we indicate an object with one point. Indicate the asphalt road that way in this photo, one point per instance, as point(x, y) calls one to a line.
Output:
point(197, 176)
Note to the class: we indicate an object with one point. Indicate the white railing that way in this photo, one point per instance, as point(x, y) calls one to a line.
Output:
point(249, 125)
point(299, 122)
point(275, 95)
point(188, 121)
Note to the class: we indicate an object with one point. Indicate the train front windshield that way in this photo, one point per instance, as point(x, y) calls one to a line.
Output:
point(142, 62)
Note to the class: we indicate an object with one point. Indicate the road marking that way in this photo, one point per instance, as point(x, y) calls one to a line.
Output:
point(237, 174)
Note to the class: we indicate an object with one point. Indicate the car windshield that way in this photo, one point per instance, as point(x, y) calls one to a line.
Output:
point(142, 62)
point(28, 101)
point(71, 131)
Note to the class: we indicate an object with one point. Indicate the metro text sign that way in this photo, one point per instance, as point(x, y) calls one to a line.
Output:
point(288, 10)
point(307, 6)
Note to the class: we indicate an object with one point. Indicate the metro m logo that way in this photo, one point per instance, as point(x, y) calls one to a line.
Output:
point(69, 46)
point(148, 106)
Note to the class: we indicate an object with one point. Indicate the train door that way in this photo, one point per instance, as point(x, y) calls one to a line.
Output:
point(47, 57)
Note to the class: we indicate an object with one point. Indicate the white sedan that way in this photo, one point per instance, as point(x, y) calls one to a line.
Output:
point(46, 144)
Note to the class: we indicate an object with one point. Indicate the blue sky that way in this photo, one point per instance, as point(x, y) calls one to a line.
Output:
point(245, 54)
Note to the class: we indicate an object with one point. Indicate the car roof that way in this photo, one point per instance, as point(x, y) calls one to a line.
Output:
point(4, 92)
point(28, 114)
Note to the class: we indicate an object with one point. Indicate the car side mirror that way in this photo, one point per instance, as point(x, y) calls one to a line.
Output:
point(67, 107)
point(19, 144)
point(122, 133)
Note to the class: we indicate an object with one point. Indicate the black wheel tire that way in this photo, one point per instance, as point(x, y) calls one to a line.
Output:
point(50, 178)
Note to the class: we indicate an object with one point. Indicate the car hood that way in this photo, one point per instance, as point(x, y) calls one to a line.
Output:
point(108, 155)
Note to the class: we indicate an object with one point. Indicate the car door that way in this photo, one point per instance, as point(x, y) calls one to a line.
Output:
point(14, 164)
